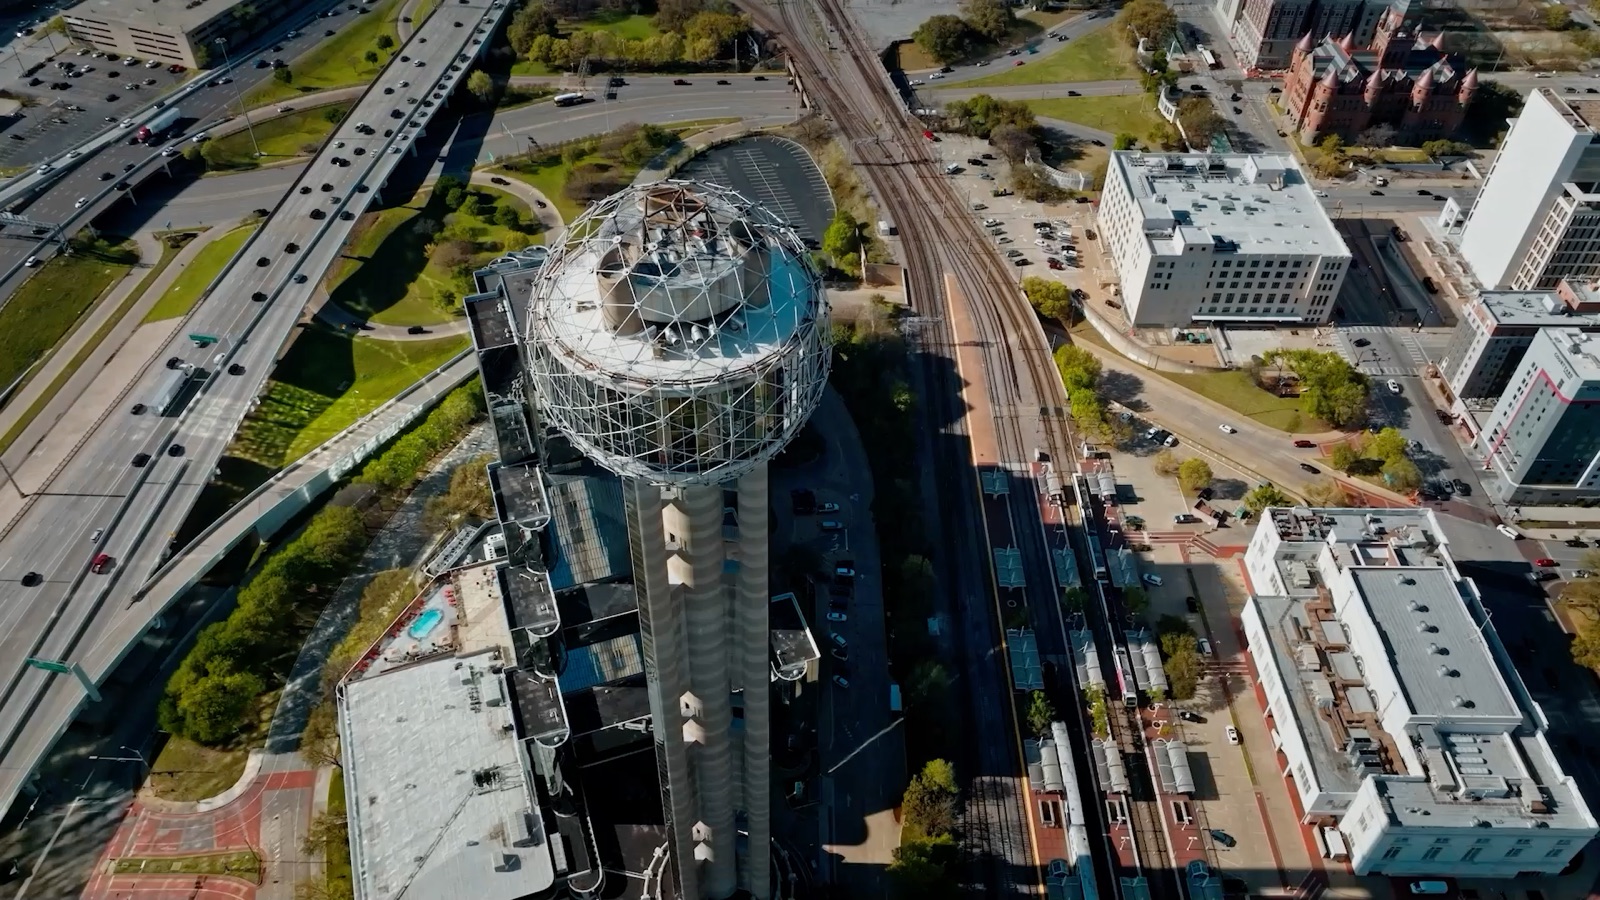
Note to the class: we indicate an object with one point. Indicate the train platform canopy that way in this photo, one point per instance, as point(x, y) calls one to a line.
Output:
point(1023, 648)
point(1008, 567)
point(995, 482)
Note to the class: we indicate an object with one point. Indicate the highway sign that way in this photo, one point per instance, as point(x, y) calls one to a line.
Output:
point(202, 340)
point(50, 665)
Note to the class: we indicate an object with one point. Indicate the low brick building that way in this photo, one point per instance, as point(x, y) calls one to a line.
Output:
point(1404, 80)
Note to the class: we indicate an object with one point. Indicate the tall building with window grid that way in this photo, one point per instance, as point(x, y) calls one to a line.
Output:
point(1212, 238)
point(1537, 219)
point(1542, 442)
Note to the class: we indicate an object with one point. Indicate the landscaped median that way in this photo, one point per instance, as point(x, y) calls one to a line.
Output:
point(356, 53)
point(244, 864)
point(186, 290)
point(49, 304)
point(1098, 56)
point(281, 138)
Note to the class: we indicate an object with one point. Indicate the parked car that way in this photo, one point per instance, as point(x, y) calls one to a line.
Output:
point(1232, 734)
point(1151, 578)
point(1508, 531)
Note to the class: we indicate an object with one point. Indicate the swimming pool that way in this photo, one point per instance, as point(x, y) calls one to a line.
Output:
point(425, 624)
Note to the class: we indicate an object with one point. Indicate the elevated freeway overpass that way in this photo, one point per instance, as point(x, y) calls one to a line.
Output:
point(133, 478)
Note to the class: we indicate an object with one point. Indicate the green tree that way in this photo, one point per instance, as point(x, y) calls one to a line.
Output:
point(1200, 121)
point(530, 22)
point(1264, 495)
point(481, 86)
point(1402, 474)
point(980, 115)
point(1167, 464)
point(1079, 369)
point(843, 235)
point(1050, 299)
point(990, 18)
point(1332, 145)
point(1557, 18)
point(1386, 444)
point(384, 42)
point(215, 707)
point(506, 216)
point(1194, 474)
point(284, 75)
point(945, 38)
point(928, 807)
point(371, 56)
point(1150, 19)
point(1124, 141)
point(1075, 599)
point(923, 869)
point(1344, 457)
point(1136, 600)
point(1586, 645)
point(1087, 411)
point(1183, 673)
point(1041, 712)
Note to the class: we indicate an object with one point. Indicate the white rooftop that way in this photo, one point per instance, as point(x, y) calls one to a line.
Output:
point(1382, 644)
point(1579, 351)
point(1242, 203)
point(439, 790)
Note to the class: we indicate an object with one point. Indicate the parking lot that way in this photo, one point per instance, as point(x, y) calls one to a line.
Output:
point(66, 107)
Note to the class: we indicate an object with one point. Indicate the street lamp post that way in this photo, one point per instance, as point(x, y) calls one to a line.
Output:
point(136, 757)
point(228, 63)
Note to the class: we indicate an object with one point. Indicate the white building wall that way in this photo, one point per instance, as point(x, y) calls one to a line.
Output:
point(1313, 799)
point(1539, 152)
point(1378, 845)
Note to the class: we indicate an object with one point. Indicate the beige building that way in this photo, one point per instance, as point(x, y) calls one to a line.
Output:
point(171, 31)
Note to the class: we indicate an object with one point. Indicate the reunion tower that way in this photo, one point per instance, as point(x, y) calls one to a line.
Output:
point(678, 337)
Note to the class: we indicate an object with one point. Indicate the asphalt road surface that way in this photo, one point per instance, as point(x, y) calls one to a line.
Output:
point(92, 617)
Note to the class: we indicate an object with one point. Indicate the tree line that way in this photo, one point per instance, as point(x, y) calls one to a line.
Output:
point(1011, 128)
point(981, 25)
point(689, 33)
point(212, 695)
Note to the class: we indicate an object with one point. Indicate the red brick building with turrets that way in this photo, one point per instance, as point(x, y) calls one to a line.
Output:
point(1404, 80)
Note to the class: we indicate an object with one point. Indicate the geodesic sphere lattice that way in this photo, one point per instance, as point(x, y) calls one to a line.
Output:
point(678, 333)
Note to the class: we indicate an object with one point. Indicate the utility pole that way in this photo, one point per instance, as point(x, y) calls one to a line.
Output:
point(228, 64)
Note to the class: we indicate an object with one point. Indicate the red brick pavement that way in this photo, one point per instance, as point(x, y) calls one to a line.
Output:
point(147, 832)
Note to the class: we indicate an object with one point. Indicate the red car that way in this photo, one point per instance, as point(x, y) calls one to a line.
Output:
point(1020, 62)
point(100, 563)
point(1545, 563)
point(1303, 444)
point(930, 136)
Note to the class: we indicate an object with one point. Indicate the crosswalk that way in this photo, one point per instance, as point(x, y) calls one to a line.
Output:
point(1362, 359)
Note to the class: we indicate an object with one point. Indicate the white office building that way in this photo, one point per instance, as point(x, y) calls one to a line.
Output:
point(1207, 238)
point(1537, 218)
point(1498, 327)
point(1401, 719)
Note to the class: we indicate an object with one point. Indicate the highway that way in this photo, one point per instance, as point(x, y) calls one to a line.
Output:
point(90, 618)
point(56, 205)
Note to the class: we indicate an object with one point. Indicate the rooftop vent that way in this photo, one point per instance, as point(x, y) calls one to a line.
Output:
point(1426, 628)
point(1416, 607)
point(1436, 650)
point(1401, 579)
point(1447, 672)
point(1460, 702)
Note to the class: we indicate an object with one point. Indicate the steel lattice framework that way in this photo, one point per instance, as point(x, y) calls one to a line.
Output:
point(678, 334)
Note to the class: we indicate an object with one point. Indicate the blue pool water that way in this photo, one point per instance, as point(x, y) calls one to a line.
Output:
point(425, 624)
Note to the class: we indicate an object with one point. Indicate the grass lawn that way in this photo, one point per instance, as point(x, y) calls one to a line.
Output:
point(48, 305)
point(187, 771)
point(628, 27)
point(338, 861)
point(391, 272)
point(338, 61)
point(1097, 56)
point(284, 137)
point(1236, 391)
point(1132, 113)
point(93, 344)
point(198, 275)
point(238, 863)
point(325, 383)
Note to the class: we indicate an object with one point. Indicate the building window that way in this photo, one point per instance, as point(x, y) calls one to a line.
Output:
point(1552, 854)
point(1431, 853)
point(1471, 854)
point(1391, 853)
point(1513, 853)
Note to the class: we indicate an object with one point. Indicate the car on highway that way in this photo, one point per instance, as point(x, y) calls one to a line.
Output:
point(100, 563)
point(200, 137)
point(80, 203)
point(1508, 531)
point(1308, 467)
point(1227, 429)
point(95, 538)
point(1305, 444)
point(32, 579)
point(32, 262)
